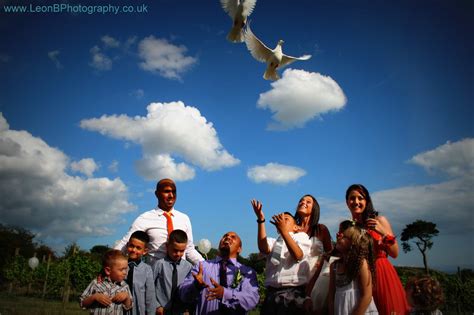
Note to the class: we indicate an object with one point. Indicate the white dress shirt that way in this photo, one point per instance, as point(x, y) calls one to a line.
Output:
point(154, 223)
point(289, 272)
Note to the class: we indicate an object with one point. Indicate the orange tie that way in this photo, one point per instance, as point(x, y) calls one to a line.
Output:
point(169, 221)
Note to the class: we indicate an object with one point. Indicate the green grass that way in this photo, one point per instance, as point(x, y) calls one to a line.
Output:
point(19, 305)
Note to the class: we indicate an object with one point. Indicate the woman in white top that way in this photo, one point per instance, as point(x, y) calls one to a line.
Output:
point(307, 216)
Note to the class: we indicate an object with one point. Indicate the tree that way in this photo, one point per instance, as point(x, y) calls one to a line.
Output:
point(257, 262)
point(13, 237)
point(421, 232)
point(98, 251)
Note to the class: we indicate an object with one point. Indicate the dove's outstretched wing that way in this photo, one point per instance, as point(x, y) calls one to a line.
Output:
point(286, 60)
point(258, 49)
point(230, 7)
point(248, 5)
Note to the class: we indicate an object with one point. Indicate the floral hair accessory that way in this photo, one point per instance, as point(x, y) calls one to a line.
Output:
point(237, 279)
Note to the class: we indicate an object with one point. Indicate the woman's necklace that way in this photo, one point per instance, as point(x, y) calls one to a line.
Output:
point(301, 228)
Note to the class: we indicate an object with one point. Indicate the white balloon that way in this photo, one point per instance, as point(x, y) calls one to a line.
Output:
point(204, 246)
point(33, 262)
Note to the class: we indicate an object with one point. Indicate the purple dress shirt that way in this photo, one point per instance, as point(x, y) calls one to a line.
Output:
point(239, 296)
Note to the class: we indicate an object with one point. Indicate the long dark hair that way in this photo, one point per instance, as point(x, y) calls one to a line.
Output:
point(314, 220)
point(369, 208)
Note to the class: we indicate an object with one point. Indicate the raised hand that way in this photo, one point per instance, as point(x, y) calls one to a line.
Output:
point(257, 208)
point(281, 224)
point(215, 293)
point(198, 277)
point(374, 224)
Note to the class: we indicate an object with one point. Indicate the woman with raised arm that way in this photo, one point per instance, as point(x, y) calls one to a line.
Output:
point(388, 292)
point(307, 216)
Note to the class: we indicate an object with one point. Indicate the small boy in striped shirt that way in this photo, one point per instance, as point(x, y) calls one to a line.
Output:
point(110, 294)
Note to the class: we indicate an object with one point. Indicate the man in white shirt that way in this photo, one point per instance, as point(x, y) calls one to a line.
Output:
point(159, 222)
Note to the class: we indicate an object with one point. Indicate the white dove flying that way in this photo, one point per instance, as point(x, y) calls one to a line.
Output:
point(274, 58)
point(238, 10)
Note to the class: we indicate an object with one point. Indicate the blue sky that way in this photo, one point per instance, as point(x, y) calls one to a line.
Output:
point(95, 108)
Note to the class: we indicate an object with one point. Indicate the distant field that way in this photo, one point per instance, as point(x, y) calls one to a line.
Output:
point(18, 305)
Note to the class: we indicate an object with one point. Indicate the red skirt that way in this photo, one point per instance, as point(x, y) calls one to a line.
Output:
point(389, 294)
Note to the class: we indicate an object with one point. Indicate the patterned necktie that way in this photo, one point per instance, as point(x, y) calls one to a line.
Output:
point(169, 221)
point(223, 273)
point(276, 252)
point(223, 310)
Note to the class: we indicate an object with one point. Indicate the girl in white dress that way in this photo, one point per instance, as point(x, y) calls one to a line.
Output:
point(352, 276)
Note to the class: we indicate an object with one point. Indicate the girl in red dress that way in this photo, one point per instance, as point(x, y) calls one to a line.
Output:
point(388, 293)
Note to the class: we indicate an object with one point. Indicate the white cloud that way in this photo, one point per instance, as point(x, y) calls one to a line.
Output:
point(448, 204)
point(4, 126)
point(300, 96)
point(163, 166)
point(454, 159)
point(99, 60)
point(275, 173)
point(109, 41)
point(113, 167)
point(53, 55)
point(160, 56)
point(36, 190)
point(169, 129)
point(85, 166)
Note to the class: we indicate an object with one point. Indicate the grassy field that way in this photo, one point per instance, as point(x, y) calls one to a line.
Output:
point(19, 305)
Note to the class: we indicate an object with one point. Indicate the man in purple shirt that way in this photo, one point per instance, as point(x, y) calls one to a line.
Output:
point(222, 285)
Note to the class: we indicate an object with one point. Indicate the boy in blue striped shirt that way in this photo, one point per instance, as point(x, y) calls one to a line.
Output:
point(140, 275)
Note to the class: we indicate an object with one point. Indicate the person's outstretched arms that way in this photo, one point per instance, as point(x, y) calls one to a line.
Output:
point(192, 284)
point(262, 233)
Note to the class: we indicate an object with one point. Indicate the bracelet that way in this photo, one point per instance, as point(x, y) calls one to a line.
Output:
point(388, 240)
point(260, 221)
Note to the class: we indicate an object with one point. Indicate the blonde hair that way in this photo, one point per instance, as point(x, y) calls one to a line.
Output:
point(361, 248)
point(111, 256)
